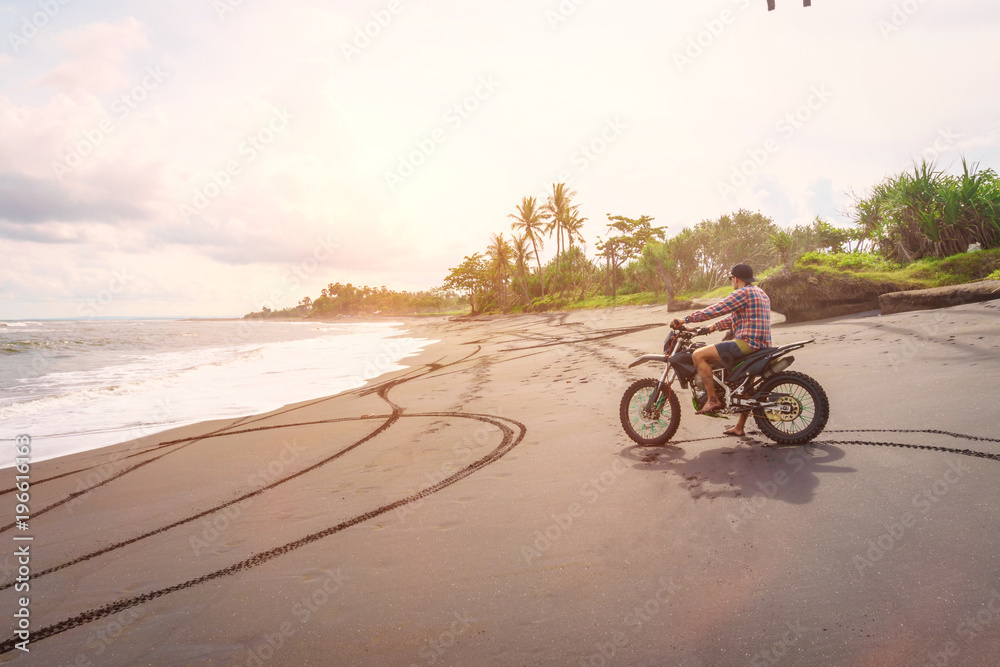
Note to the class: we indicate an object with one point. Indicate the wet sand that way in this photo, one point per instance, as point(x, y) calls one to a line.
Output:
point(484, 507)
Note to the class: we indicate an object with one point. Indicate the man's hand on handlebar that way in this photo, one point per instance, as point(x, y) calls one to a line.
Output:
point(700, 331)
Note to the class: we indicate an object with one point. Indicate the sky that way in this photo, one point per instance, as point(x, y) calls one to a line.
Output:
point(210, 157)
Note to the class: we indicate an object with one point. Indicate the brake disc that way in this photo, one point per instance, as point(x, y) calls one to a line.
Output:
point(791, 414)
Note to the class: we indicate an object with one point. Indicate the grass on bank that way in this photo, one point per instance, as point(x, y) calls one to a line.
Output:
point(966, 267)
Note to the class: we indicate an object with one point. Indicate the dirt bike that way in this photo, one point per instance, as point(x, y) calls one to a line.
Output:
point(788, 407)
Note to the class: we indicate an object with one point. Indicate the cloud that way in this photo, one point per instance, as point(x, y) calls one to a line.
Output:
point(353, 121)
point(30, 200)
point(99, 54)
point(54, 233)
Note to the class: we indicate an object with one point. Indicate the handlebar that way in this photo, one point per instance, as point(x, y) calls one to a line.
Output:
point(699, 331)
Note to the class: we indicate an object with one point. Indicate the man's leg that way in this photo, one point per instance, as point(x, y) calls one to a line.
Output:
point(703, 358)
point(738, 428)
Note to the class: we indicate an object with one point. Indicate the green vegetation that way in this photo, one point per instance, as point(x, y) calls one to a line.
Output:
point(911, 229)
point(931, 214)
point(340, 300)
point(928, 272)
point(635, 264)
point(857, 262)
point(633, 237)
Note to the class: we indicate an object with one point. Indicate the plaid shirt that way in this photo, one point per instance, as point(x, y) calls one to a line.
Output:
point(750, 319)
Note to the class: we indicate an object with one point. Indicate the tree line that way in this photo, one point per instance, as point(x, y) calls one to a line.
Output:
point(907, 216)
point(337, 299)
point(632, 256)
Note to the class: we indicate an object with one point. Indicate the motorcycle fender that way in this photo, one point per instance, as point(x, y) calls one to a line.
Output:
point(760, 367)
point(756, 368)
point(683, 365)
point(648, 357)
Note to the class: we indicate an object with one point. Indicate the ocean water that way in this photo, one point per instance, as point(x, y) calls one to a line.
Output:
point(79, 385)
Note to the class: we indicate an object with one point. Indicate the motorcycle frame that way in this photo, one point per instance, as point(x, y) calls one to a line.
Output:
point(719, 376)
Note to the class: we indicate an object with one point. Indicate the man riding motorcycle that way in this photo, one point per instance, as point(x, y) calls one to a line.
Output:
point(749, 310)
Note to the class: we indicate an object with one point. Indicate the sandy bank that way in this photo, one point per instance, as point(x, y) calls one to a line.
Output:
point(484, 507)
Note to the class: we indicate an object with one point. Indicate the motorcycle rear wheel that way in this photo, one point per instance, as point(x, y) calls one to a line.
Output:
point(649, 429)
point(810, 409)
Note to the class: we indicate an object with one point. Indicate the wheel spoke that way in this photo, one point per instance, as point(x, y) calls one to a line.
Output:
point(648, 428)
point(801, 409)
point(805, 407)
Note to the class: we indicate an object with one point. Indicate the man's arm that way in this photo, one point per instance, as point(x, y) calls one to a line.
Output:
point(724, 307)
point(725, 324)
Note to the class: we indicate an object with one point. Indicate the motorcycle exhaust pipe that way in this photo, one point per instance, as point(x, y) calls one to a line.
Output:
point(778, 366)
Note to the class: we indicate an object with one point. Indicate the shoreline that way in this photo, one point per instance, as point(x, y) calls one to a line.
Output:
point(484, 505)
point(258, 374)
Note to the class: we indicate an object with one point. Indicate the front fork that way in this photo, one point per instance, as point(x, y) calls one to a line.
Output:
point(662, 389)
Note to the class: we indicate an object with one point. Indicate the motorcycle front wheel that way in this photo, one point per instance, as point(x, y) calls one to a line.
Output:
point(649, 427)
point(808, 409)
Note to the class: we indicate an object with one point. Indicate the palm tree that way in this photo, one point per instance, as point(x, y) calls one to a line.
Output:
point(530, 218)
point(522, 255)
point(573, 227)
point(783, 243)
point(500, 253)
point(559, 210)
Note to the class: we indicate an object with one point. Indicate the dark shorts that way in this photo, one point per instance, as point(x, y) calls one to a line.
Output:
point(731, 352)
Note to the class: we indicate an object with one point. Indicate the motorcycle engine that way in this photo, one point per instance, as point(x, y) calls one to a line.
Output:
point(701, 396)
point(698, 389)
